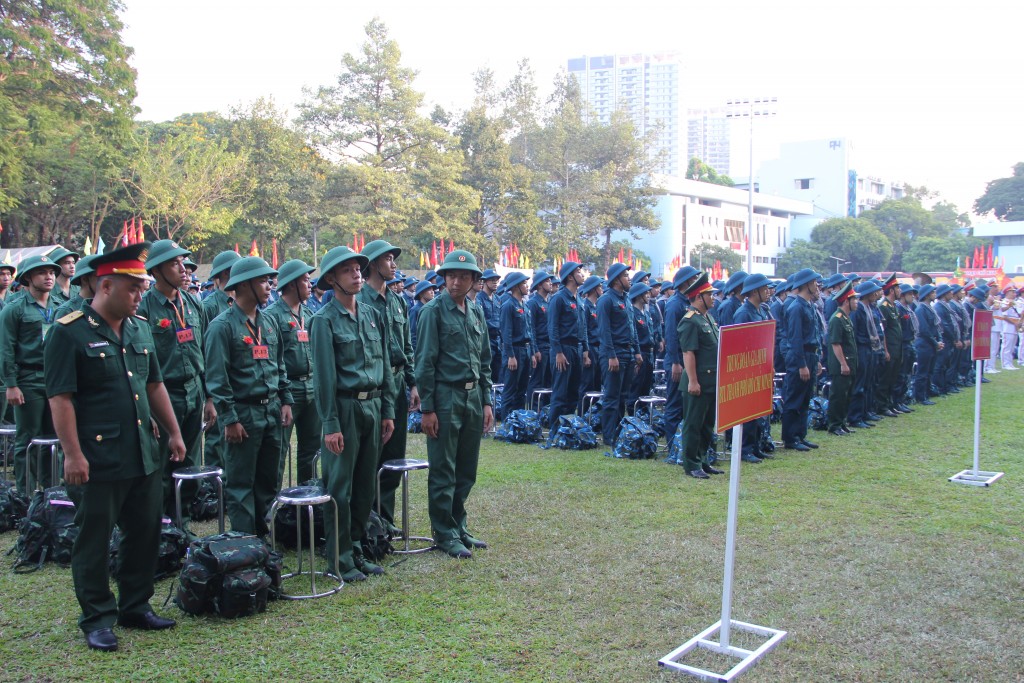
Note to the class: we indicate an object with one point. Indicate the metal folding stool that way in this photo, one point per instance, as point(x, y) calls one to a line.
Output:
point(405, 466)
point(195, 473)
point(38, 444)
point(306, 497)
point(7, 433)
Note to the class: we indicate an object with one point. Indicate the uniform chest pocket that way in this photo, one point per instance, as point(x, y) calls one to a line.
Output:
point(102, 362)
point(451, 333)
point(138, 359)
point(347, 346)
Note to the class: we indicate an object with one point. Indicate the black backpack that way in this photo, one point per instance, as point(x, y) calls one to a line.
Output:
point(205, 505)
point(47, 532)
point(286, 526)
point(376, 542)
point(13, 506)
point(173, 546)
point(231, 574)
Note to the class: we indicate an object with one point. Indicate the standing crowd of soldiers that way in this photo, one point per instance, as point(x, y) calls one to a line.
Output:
point(131, 366)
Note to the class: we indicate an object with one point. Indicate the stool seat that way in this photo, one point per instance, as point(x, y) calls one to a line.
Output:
point(303, 495)
point(8, 431)
point(45, 441)
point(405, 465)
point(39, 443)
point(197, 472)
point(306, 497)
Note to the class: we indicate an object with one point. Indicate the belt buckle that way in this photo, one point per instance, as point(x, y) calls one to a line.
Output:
point(363, 395)
point(469, 385)
point(264, 401)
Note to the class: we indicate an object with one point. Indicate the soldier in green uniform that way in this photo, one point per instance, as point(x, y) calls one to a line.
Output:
point(246, 378)
point(24, 324)
point(293, 318)
point(64, 290)
point(213, 305)
point(842, 361)
point(886, 399)
point(176, 320)
point(355, 395)
point(85, 280)
point(380, 270)
point(104, 384)
point(453, 373)
point(698, 343)
point(7, 275)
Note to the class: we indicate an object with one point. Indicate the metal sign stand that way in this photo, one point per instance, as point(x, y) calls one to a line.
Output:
point(726, 624)
point(975, 477)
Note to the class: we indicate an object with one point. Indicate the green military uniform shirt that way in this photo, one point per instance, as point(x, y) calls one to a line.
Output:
point(181, 360)
point(840, 331)
point(298, 354)
point(108, 378)
point(396, 321)
point(351, 357)
point(215, 304)
point(452, 346)
point(232, 371)
point(698, 332)
point(73, 304)
point(24, 325)
point(891, 323)
point(58, 297)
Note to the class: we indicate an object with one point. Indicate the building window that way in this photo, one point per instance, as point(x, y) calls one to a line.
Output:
point(804, 183)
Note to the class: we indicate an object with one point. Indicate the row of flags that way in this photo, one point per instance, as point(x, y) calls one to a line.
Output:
point(634, 262)
point(254, 250)
point(435, 256)
point(981, 260)
point(132, 232)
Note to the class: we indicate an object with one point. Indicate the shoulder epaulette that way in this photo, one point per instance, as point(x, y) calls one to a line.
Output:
point(839, 314)
point(689, 314)
point(70, 317)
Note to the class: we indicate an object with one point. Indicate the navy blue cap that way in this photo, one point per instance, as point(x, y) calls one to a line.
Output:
point(834, 280)
point(942, 291)
point(640, 275)
point(735, 280)
point(925, 291)
point(979, 292)
point(539, 278)
point(754, 282)
point(638, 289)
point(566, 270)
point(514, 278)
point(868, 287)
point(802, 277)
point(615, 270)
point(682, 275)
point(489, 274)
point(423, 286)
point(591, 283)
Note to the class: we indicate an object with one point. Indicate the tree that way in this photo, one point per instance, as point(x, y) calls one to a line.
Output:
point(856, 240)
point(66, 91)
point(705, 254)
point(370, 121)
point(804, 254)
point(904, 220)
point(698, 170)
point(929, 254)
point(1004, 197)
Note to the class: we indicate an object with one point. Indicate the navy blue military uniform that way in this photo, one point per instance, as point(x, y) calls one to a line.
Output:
point(618, 340)
point(804, 340)
point(567, 331)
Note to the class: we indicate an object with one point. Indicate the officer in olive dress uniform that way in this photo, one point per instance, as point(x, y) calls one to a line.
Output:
point(104, 384)
point(698, 345)
point(453, 371)
point(675, 308)
point(886, 399)
point(842, 360)
point(355, 395)
point(293, 318)
point(24, 325)
point(213, 305)
point(246, 378)
point(381, 267)
point(176, 320)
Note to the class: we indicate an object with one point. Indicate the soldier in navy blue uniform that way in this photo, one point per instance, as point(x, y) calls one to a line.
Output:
point(957, 371)
point(540, 344)
point(514, 343)
point(908, 331)
point(425, 291)
point(950, 340)
point(976, 295)
point(487, 299)
point(567, 330)
point(756, 290)
point(928, 344)
point(868, 342)
point(675, 309)
point(803, 353)
point(657, 319)
point(620, 353)
point(731, 299)
point(778, 313)
point(643, 377)
point(588, 294)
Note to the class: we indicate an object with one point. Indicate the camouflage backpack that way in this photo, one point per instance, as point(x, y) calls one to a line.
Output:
point(520, 426)
point(47, 532)
point(636, 440)
point(573, 434)
point(231, 574)
point(173, 546)
point(13, 506)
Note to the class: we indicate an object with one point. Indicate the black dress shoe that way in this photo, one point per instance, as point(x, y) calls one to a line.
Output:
point(890, 413)
point(985, 380)
point(873, 417)
point(846, 430)
point(926, 402)
point(838, 431)
point(472, 542)
point(808, 443)
point(764, 456)
point(712, 470)
point(749, 457)
point(698, 474)
point(102, 639)
point(798, 446)
point(147, 621)
point(861, 425)
point(905, 408)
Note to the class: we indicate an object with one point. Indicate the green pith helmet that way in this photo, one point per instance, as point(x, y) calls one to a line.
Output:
point(62, 253)
point(83, 268)
point(163, 251)
point(378, 248)
point(459, 260)
point(223, 261)
point(339, 255)
point(35, 263)
point(292, 270)
point(191, 265)
point(248, 268)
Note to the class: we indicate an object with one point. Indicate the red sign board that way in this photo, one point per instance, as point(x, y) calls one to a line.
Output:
point(746, 373)
point(981, 339)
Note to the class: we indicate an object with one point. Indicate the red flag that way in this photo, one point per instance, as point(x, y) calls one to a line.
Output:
point(989, 256)
point(236, 249)
point(977, 257)
point(631, 261)
point(273, 263)
point(433, 255)
point(451, 246)
point(253, 250)
point(622, 257)
point(140, 234)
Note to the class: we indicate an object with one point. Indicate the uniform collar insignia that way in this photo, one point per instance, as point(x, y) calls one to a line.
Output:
point(92, 322)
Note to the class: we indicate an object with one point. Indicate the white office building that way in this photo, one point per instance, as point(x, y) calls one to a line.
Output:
point(821, 173)
point(645, 85)
point(693, 212)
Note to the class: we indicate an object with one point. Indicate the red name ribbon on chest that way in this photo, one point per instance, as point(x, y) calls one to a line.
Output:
point(186, 335)
point(302, 335)
point(261, 352)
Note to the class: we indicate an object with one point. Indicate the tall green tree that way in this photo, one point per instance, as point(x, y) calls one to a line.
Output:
point(856, 240)
point(66, 89)
point(698, 170)
point(1004, 197)
point(705, 254)
point(929, 254)
point(369, 121)
point(805, 254)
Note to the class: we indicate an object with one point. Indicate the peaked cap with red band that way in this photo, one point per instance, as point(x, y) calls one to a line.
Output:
point(130, 261)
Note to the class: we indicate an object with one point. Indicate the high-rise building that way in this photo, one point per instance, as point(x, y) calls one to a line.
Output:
point(648, 87)
point(707, 137)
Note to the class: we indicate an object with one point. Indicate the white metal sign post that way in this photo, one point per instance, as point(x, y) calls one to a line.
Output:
point(980, 352)
point(751, 384)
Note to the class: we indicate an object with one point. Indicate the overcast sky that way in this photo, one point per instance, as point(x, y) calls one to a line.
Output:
point(927, 93)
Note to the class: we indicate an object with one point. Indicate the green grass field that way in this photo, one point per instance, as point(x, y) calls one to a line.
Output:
point(879, 569)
